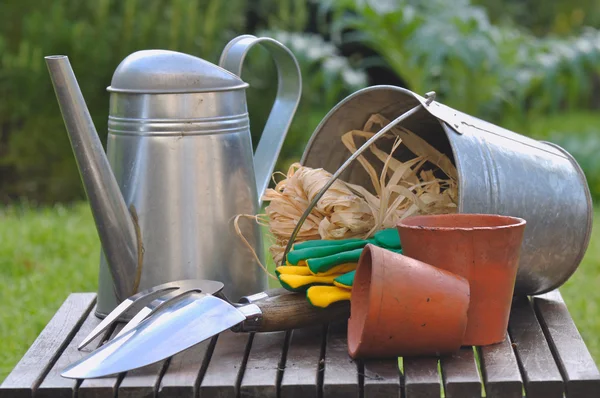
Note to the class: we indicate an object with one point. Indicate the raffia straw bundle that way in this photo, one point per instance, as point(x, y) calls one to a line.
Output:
point(347, 210)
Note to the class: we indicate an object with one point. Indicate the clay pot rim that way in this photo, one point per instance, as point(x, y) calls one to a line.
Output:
point(413, 222)
point(359, 309)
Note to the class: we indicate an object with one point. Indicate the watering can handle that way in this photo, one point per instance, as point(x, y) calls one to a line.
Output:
point(289, 89)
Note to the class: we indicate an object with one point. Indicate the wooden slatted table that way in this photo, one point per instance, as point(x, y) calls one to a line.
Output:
point(543, 356)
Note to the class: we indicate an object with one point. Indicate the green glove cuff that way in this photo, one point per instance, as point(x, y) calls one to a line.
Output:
point(323, 264)
point(296, 256)
point(323, 242)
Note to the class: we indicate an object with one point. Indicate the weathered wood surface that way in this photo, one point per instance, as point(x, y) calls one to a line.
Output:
point(185, 371)
point(540, 373)
point(31, 370)
point(543, 355)
point(421, 377)
point(460, 374)
point(226, 365)
point(264, 366)
point(500, 370)
point(104, 386)
point(381, 378)
point(577, 366)
point(54, 385)
point(340, 376)
point(303, 373)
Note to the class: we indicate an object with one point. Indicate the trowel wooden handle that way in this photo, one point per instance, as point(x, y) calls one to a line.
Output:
point(263, 295)
point(291, 311)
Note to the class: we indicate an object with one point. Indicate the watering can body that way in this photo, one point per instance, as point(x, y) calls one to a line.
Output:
point(180, 151)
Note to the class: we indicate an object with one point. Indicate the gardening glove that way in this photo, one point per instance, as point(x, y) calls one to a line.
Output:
point(325, 268)
point(325, 257)
point(321, 290)
point(323, 296)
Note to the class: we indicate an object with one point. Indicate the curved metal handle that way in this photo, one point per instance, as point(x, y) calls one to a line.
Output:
point(289, 90)
point(339, 171)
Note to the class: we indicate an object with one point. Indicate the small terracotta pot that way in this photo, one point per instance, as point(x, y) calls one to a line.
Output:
point(403, 307)
point(484, 248)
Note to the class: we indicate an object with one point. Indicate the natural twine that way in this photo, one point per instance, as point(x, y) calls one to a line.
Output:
point(347, 210)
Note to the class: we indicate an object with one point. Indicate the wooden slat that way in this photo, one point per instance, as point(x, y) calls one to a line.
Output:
point(103, 387)
point(226, 365)
point(421, 377)
point(573, 358)
point(381, 378)
point(500, 371)
point(301, 374)
point(142, 382)
point(340, 378)
point(460, 375)
point(47, 347)
point(540, 373)
point(262, 367)
point(54, 385)
point(185, 371)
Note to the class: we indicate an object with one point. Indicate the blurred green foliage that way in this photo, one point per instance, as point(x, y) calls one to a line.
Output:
point(502, 73)
point(510, 62)
point(491, 71)
point(544, 17)
point(35, 155)
point(36, 161)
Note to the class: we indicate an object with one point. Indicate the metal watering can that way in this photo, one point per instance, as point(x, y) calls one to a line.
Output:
point(179, 166)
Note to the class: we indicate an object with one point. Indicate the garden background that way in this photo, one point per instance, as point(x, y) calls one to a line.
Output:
point(532, 66)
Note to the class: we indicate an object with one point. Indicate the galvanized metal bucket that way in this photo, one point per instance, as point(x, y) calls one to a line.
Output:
point(499, 172)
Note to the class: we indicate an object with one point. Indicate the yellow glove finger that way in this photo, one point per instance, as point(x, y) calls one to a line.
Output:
point(297, 270)
point(293, 270)
point(299, 281)
point(323, 296)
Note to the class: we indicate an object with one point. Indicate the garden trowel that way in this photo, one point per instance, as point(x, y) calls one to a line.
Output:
point(195, 317)
point(160, 295)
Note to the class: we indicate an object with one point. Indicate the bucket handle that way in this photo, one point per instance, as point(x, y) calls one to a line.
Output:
point(289, 90)
point(430, 96)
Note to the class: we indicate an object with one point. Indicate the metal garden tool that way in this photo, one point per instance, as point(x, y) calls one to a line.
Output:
point(194, 317)
point(178, 168)
point(156, 296)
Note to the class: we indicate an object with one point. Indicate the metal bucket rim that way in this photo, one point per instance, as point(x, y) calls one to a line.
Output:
point(400, 90)
point(347, 99)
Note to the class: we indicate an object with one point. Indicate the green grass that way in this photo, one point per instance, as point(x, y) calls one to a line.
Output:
point(47, 253)
point(44, 255)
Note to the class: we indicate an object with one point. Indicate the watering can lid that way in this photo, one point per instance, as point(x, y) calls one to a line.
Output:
point(164, 71)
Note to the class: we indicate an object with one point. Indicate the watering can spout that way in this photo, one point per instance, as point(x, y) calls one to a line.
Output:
point(114, 221)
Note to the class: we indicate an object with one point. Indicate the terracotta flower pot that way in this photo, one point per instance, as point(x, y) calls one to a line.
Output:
point(403, 307)
point(484, 248)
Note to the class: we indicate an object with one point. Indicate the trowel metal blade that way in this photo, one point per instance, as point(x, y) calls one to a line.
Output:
point(177, 327)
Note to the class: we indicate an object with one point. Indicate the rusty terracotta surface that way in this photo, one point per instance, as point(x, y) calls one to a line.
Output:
point(403, 307)
point(483, 248)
